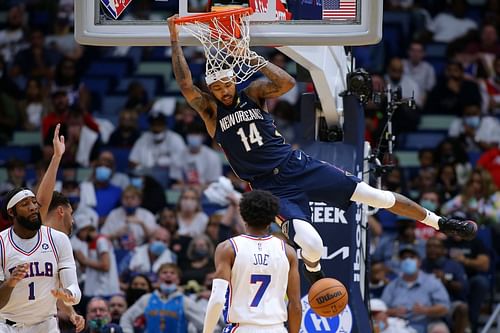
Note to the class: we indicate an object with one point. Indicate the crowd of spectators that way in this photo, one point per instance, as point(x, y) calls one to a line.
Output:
point(135, 246)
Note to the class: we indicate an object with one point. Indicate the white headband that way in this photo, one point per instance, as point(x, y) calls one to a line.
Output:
point(23, 194)
point(214, 77)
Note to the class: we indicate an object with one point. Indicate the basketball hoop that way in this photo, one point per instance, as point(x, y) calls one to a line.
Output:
point(225, 36)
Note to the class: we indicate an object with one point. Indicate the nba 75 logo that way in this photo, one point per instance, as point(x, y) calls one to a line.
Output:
point(116, 7)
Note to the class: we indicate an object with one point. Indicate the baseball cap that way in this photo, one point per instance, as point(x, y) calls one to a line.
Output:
point(408, 248)
point(376, 304)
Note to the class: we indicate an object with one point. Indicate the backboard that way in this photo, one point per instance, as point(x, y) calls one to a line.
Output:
point(280, 23)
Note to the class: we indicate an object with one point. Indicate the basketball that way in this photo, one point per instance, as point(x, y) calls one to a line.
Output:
point(328, 297)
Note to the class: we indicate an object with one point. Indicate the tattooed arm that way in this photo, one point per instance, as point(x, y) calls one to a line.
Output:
point(198, 100)
point(278, 82)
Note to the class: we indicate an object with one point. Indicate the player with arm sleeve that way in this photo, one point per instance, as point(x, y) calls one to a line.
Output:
point(255, 274)
point(36, 268)
point(256, 151)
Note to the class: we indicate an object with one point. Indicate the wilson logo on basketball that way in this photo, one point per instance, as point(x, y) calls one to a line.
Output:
point(325, 298)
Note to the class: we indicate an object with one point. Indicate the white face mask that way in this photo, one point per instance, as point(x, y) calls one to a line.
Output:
point(188, 205)
point(159, 137)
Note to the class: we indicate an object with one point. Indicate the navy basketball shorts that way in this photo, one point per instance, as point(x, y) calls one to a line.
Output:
point(302, 179)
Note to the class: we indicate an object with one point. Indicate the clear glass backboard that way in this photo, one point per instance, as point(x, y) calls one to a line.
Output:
point(284, 22)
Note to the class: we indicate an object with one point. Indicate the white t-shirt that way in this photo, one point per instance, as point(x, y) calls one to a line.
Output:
point(447, 27)
point(195, 228)
point(488, 131)
point(140, 262)
point(99, 283)
point(205, 166)
point(47, 253)
point(148, 154)
point(117, 220)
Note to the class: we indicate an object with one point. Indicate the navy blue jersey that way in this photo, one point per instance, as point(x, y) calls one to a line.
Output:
point(250, 140)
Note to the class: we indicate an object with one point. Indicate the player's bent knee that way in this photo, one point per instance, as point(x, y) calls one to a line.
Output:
point(308, 239)
point(374, 197)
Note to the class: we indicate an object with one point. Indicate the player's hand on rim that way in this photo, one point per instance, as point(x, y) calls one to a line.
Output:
point(64, 295)
point(17, 274)
point(78, 321)
point(58, 142)
point(172, 26)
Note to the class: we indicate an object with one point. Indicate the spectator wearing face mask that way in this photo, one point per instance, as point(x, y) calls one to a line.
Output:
point(98, 192)
point(478, 133)
point(140, 284)
point(158, 150)
point(429, 200)
point(382, 323)
point(191, 219)
point(129, 225)
point(415, 296)
point(201, 164)
point(99, 262)
point(200, 255)
point(166, 309)
point(149, 257)
point(99, 317)
point(117, 306)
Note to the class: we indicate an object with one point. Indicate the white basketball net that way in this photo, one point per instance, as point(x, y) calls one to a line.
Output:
point(224, 50)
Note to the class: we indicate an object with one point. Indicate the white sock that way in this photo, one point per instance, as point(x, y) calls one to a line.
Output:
point(431, 219)
point(316, 268)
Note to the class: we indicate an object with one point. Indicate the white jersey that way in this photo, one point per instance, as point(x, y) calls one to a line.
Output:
point(47, 253)
point(259, 280)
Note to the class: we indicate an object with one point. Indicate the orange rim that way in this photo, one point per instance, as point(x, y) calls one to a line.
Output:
point(207, 17)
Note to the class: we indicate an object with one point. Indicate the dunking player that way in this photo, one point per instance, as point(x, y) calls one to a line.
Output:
point(34, 262)
point(240, 124)
point(261, 269)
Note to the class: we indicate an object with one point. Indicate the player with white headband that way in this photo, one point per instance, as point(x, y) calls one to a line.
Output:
point(34, 261)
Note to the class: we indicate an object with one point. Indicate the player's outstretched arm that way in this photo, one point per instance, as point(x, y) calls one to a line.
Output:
point(195, 97)
point(44, 192)
point(278, 82)
point(224, 258)
point(7, 286)
point(293, 292)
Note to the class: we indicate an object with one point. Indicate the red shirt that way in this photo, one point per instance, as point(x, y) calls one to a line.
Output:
point(52, 119)
point(490, 160)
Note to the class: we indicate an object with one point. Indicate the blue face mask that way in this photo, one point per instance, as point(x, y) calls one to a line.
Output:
point(157, 248)
point(167, 289)
point(102, 173)
point(130, 210)
point(194, 140)
point(409, 266)
point(428, 204)
point(472, 121)
point(381, 326)
point(136, 182)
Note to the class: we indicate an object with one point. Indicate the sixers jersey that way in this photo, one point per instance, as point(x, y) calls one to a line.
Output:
point(259, 280)
point(249, 138)
point(48, 252)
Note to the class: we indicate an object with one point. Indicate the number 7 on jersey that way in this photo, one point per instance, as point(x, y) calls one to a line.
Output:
point(265, 280)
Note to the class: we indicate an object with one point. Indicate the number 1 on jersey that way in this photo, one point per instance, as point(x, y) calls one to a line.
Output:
point(32, 291)
point(254, 137)
point(265, 280)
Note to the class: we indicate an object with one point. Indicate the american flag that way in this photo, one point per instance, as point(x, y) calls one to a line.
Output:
point(339, 9)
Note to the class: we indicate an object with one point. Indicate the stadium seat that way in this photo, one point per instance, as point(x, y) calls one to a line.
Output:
point(407, 158)
point(152, 84)
point(113, 104)
point(26, 138)
point(439, 64)
point(436, 50)
point(18, 152)
point(116, 69)
point(163, 68)
point(435, 122)
point(121, 158)
point(3, 175)
point(83, 174)
point(421, 139)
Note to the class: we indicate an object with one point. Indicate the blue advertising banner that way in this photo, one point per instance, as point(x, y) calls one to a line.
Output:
point(341, 230)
